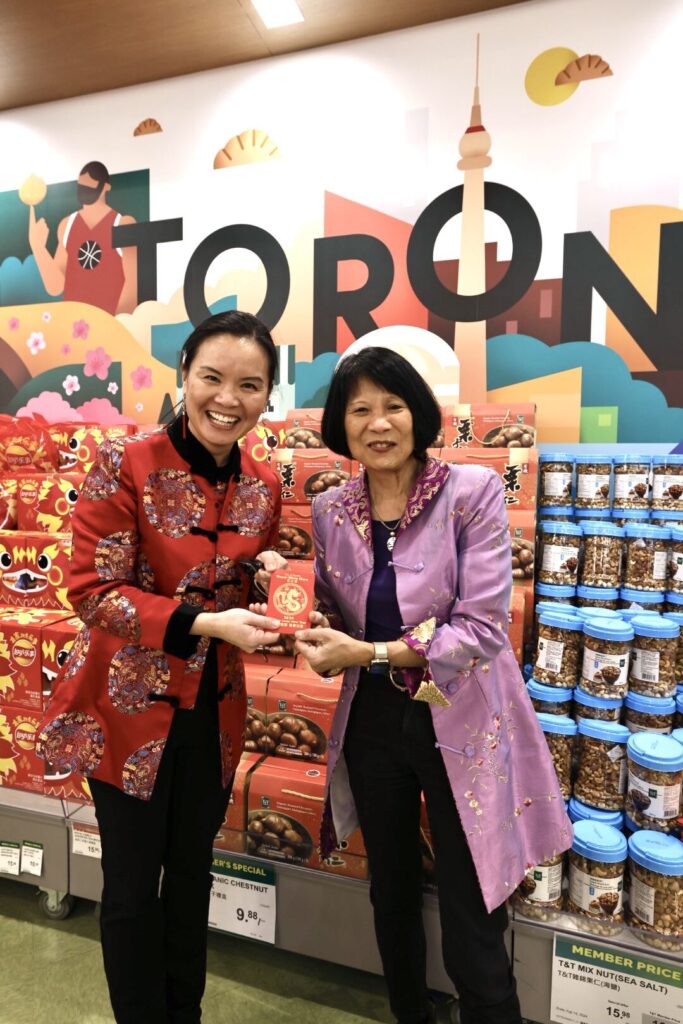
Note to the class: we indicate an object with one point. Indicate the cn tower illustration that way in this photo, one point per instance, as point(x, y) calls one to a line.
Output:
point(470, 338)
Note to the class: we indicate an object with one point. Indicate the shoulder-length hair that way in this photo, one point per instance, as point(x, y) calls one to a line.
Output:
point(391, 372)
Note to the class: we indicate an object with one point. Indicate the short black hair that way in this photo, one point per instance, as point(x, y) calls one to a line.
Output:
point(97, 171)
point(242, 325)
point(391, 372)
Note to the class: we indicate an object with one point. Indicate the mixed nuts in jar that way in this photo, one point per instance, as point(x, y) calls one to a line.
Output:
point(675, 580)
point(579, 811)
point(555, 471)
point(602, 555)
point(635, 602)
point(597, 597)
point(558, 647)
point(559, 734)
point(593, 474)
point(563, 513)
point(597, 861)
point(655, 905)
point(647, 556)
point(631, 482)
point(626, 516)
point(560, 549)
point(552, 700)
point(653, 656)
point(667, 481)
point(599, 709)
point(606, 650)
point(655, 773)
point(649, 714)
point(601, 773)
point(540, 891)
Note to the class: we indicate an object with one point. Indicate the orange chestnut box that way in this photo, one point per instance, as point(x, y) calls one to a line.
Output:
point(516, 612)
point(517, 468)
point(303, 429)
point(45, 501)
point(285, 805)
point(20, 766)
point(291, 598)
point(34, 569)
point(522, 542)
point(301, 706)
point(21, 632)
point(296, 532)
point(8, 502)
point(491, 426)
point(306, 473)
point(232, 833)
point(257, 677)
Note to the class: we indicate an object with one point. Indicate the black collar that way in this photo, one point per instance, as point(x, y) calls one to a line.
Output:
point(200, 460)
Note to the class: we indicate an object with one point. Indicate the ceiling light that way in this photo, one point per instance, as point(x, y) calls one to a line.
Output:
point(276, 13)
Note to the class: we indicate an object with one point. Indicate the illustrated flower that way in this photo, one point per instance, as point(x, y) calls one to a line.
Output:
point(71, 383)
point(139, 407)
point(66, 348)
point(80, 329)
point(47, 317)
point(100, 410)
point(141, 377)
point(112, 388)
point(97, 363)
point(35, 343)
point(13, 323)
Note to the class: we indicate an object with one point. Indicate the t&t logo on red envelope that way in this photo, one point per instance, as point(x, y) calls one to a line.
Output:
point(290, 598)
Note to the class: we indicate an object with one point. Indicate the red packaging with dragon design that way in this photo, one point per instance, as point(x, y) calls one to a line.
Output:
point(8, 502)
point(21, 636)
point(290, 597)
point(57, 641)
point(34, 569)
point(45, 502)
point(20, 766)
point(77, 443)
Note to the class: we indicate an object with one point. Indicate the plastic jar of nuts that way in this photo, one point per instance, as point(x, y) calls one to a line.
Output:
point(635, 602)
point(550, 606)
point(655, 773)
point(582, 515)
point(598, 614)
point(675, 580)
point(677, 617)
point(678, 716)
point(560, 548)
point(601, 773)
point(539, 894)
point(597, 597)
point(673, 602)
point(562, 513)
point(631, 481)
point(600, 709)
point(655, 906)
point(649, 714)
point(602, 553)
point(653, 656)
point(667, 517)
point(558, 647)
point(552, 700)
point(667, 482)
point(597, 861)
point(579, 811)
point(647, 556)
point(559, 735)
point(563, 594)
point(606, 649)
point(555, 470)
point(593, 474)
point(625, 516)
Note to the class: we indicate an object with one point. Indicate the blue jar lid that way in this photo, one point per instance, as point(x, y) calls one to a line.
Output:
point(640, 514)
point(597, 593)
point(679, 702)
point(666, 514)
point(655, 750)
point(564, 528)
point(561, 620)
point(673, 459)
point(673, 597)
point(558, 723)
point(648, 531)
point(608, 703)
point(598, 613)
point(592, 513)
point(677, 533)
point(648, 625)
point(599, 458)
point(555, 457)
point(579, 811)
point(555, 606)
point(555, 590)
point(677, 735)
point(674, 616)
point(608, 629)
point(555, 510)
point(630, 824)
point(652, 705)
point(641, 596)
point(656, 851)
point(596, 841)
point(591, 529)
point(638, 457)
point(629, 614)
point(552, 693)
point(611, 731)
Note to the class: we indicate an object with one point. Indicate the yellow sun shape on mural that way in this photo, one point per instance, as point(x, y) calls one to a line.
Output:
point(556, 74)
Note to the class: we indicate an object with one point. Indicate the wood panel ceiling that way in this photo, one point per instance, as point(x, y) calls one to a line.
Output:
point(54, 49)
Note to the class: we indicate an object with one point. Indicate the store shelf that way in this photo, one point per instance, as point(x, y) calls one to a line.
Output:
point(39, 819)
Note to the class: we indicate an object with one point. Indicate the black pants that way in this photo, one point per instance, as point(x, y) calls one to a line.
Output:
point(154, 937)
point(391, 756)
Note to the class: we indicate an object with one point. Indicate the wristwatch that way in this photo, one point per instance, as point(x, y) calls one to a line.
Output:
point(380, 655)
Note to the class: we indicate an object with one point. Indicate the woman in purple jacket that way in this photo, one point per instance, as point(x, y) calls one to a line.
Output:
point(413, 576)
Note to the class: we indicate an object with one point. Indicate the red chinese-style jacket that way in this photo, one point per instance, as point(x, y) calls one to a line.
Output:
point(155, 531)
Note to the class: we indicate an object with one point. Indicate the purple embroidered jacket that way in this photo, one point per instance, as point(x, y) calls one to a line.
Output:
point(453, 579)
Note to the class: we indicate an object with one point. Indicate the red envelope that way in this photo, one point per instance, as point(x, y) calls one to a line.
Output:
point(290, 597)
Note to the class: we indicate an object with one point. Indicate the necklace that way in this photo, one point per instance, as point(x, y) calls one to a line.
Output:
point(391, 539)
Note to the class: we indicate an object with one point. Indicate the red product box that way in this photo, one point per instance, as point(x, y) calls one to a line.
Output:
point(491, 426)
point(291, 598)
point(301, 706)
point(57, 639)
point(45, 501)
point(516, 613)
point(517, 468)
point(77, 443)
point(522, 544)
point(296, 532)
point(306, 473)
point(278, 655)
point(284, 807)
point(8, 502)
point(257, 677)
point(21, 637)
point(20, 766)
point(34, 569)
point(303, 429)
point(261, 442)
point(232, 833)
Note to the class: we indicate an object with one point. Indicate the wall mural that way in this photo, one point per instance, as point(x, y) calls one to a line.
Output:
point(85, 331)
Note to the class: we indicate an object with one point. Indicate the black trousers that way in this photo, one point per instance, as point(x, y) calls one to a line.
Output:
point(154, 935)
point(391, 757)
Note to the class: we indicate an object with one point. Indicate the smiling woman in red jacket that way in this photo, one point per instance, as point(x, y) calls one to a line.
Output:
point(151, 703)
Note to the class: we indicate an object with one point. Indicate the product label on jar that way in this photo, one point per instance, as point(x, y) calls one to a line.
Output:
point(558, 558)
point(599, 896)
point(677, 565)
point(635, 727)
point(631, 485)
point(667, 487)
point(557, 485)
point(592, 485)
point(642, 900)
point(549, 654)
point(618, 753)
point(645, 665)
point(542, 884)
point(652, 800)
point(659, 564)
point(604, 668)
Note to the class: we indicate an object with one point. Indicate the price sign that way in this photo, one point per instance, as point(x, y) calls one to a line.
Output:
point(85, 840)
point(243, 898)
point(599, 984)
point(9, 858)
point(31, 858)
